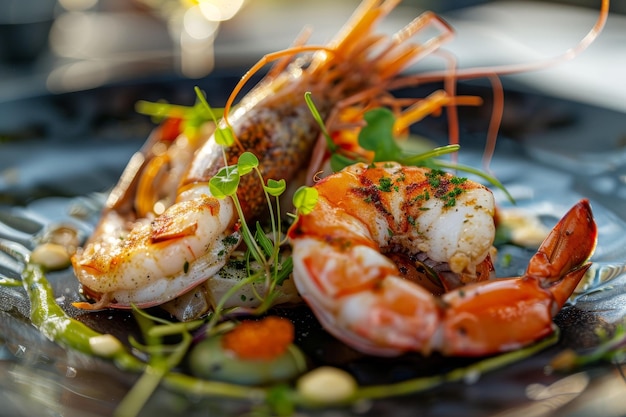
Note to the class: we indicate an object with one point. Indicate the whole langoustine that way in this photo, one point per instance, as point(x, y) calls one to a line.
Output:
point(143, 256)
point(365, 213)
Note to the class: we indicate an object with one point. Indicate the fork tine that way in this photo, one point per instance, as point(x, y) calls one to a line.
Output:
point(7, 232)
point(13, 256)
point(14, 249)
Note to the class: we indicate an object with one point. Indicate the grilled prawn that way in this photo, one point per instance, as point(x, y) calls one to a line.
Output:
point(162, 233)
point(365, 214)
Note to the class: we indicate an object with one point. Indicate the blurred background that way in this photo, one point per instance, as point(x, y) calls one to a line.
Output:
point(69, 45)
point(71, 72)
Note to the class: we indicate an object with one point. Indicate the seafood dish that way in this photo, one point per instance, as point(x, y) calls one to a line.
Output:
point(295, 252)
point(361, 297)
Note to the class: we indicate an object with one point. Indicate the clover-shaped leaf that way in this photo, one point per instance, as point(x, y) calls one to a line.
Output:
point(305, 199)
point(225, 182)
point(275, 188)
point(247, 162)
point(224, 136)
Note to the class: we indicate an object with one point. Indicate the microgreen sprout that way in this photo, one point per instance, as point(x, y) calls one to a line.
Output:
point(339, 158)
point(305, 199)
point(265, 252)
point(378, 136)
point(332, 147)
point(162, 359)
point(192, 117)
point(223, 135)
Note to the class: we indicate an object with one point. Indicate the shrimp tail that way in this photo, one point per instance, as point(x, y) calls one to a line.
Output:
point(505, 314)
point(559, 262)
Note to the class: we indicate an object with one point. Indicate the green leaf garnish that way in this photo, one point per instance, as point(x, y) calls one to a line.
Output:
point(262, 256)
point(247, 162)
point(305, 199)
point(275, 188)
point(377, 135)
point(224, 136)
point(225, 182)
point(318, 118)
point(264, 242)
point(339, 161)
point(193, 117)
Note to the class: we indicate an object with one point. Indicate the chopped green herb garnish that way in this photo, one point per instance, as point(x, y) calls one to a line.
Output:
point(424, 196)
point(384, 184)
point(434, 177)
point(450, 197)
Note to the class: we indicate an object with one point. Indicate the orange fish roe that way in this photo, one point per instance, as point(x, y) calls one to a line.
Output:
point(259, 340)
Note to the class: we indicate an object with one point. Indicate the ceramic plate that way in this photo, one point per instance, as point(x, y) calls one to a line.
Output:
point(61, 153)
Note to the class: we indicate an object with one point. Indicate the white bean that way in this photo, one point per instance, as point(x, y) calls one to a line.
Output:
point(327, 384)
point(51, 256)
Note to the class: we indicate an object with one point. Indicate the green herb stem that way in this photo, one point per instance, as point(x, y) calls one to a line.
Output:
point(50, 319)
point(157, 369)
point(433, 153)
point(416, 385)
point(274, 223)
point(201, 387)
point(247, 235)
point(138, 396)
point(47, 316)
point(174, 328)
point(217, 310)
point(332, 147)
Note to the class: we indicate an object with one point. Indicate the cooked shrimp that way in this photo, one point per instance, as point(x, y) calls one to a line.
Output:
point(130, 259)
point(360, 296)
point(358, 68)
point(195, 236)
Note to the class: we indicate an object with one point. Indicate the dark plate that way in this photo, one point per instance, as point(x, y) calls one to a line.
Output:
point(60, 153)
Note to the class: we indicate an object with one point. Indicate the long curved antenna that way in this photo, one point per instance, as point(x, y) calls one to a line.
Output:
point(571, 53)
